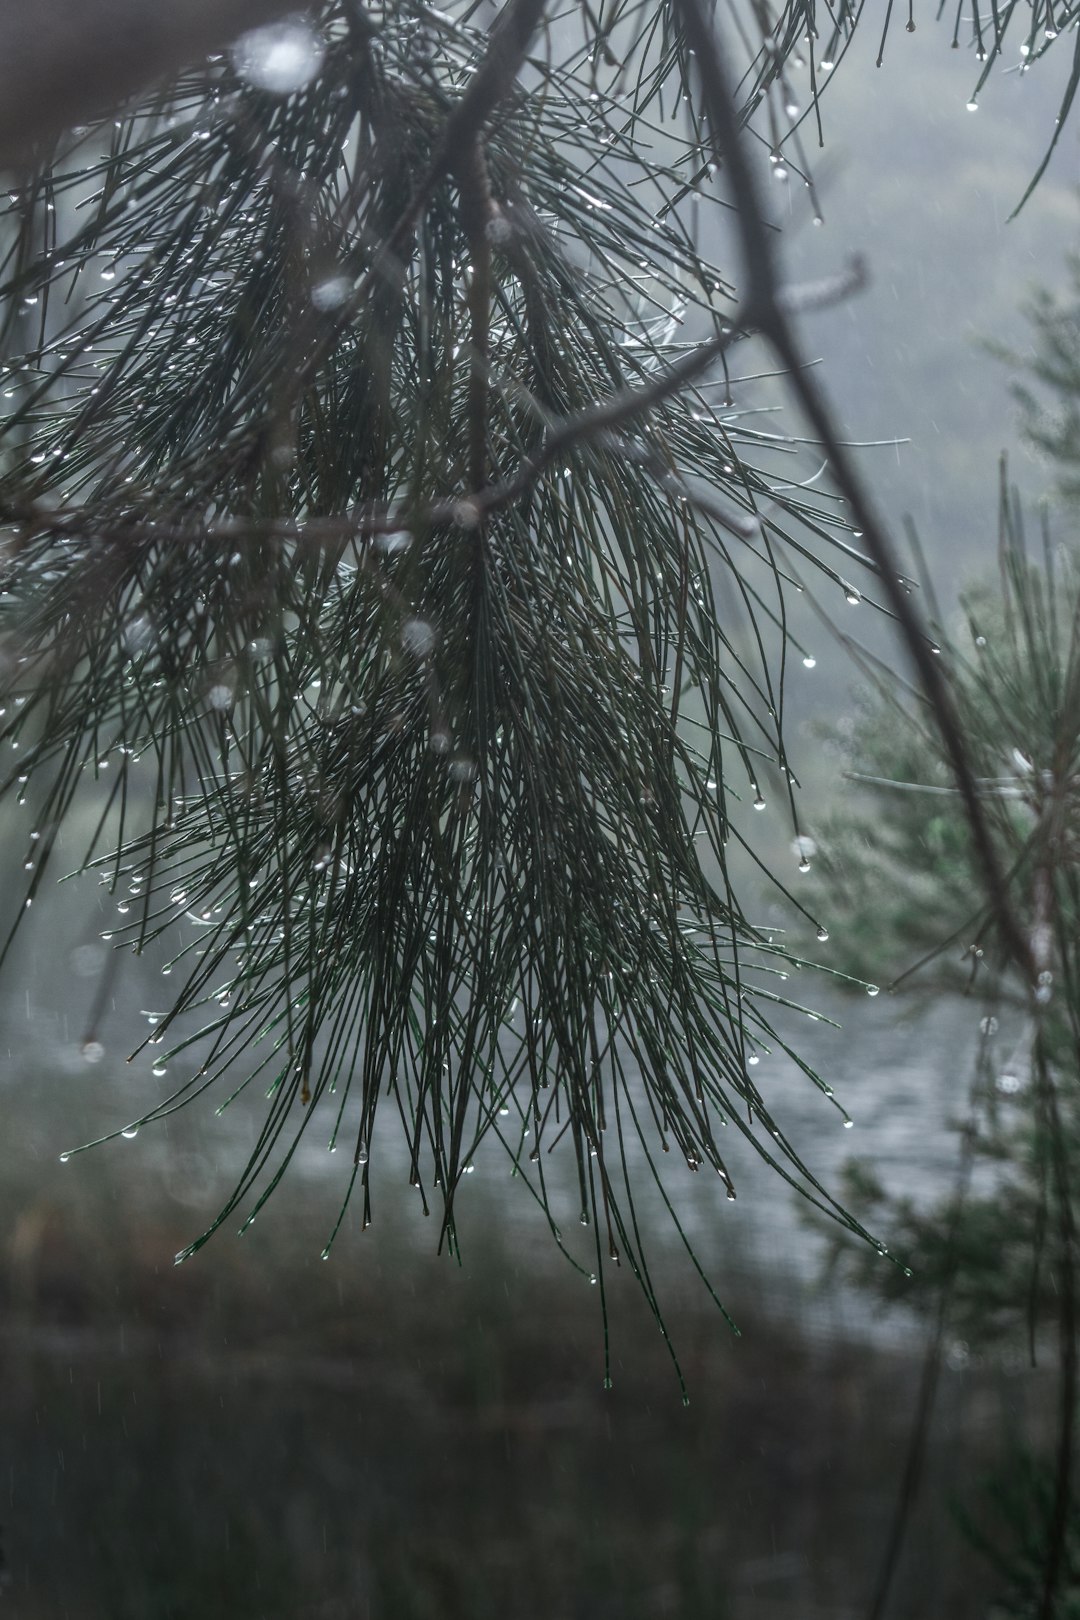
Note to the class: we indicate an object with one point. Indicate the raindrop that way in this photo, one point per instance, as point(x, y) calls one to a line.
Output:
point(331, 293)
point(809, 662)
point(281, 58)
point(754, 1059)
point(362, 1153)
point(973, 106)
point(822, 934)
point(64, 1157)
point(130, 1132)
point(158, 1071)
point(92, 1051)
point(848, 1123)
point(466, 514)
point(873, 989)
point(393, 541)
point(417, 637)
point(852, 596)
point(220, 696)
point(759, 803)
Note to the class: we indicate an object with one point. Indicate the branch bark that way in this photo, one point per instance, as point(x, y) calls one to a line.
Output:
point(768, 299)
point(63, 62)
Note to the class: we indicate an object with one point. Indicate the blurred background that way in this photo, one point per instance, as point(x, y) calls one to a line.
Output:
point(390, 1434)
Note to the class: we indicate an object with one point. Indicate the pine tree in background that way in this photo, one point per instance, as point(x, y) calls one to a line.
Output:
point(993, 1265)
point(385, 558)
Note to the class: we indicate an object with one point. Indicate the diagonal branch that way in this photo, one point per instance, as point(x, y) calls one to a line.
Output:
point(773, 321)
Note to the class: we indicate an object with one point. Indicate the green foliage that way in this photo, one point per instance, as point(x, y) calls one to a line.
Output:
point(387, 573)
point(379, 573)
point(1015, 668)
point(1049, 394)
point(898, 854)
point(1013, 1532)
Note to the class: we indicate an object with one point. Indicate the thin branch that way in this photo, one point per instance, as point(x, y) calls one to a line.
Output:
point(769, 301)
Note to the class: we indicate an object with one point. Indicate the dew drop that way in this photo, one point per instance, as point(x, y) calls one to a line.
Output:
point(418, 638)
point(331, 293)
point(393, 541)
point(282, 57)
